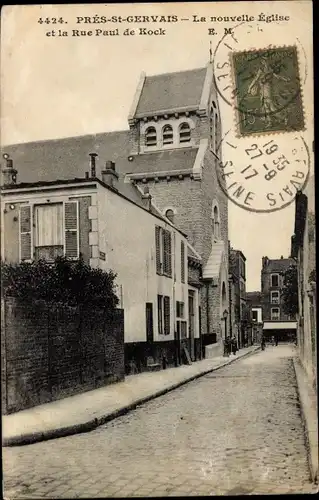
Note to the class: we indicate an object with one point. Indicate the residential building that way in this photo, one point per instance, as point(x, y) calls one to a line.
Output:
point(237, 270)
point(254, 307)
point(304, 251)
point(172, 146)
point(275, 320)
point(112, 225)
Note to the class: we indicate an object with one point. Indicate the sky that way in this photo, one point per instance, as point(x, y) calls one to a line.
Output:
point(60, 86)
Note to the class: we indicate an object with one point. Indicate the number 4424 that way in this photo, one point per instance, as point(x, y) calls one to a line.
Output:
point(51, 20)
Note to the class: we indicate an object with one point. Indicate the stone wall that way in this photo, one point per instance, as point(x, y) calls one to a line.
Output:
point(50, 352)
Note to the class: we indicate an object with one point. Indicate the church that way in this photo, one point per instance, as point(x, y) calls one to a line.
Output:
point(171, 151)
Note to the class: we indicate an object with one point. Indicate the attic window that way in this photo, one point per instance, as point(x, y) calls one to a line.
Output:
point(170, 214)
point(184, 133)
point(150, 137)
point(167, 134)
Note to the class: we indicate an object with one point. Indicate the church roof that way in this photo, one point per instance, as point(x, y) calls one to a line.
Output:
point(171, 92)
point(212, 268)
point(68, 157)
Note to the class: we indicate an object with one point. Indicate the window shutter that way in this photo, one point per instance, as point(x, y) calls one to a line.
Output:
point(167, 245)
point(25, 233)
point(158, 249)
point(71, 229)
point(169, 253)
point(182, 262)
point(166, 316)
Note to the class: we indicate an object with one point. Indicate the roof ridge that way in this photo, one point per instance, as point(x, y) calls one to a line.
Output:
point(70, 137)
point(177, 72)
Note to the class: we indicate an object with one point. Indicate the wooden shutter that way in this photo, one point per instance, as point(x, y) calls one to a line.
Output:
point(158, 249)
point(182, 262)
point(167, 246)
point(71, 229)
point(166, 316)
point(25, 233)
point(160, 314)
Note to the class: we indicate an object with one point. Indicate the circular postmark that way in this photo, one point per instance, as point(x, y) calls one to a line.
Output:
point(263, 174)
point(261, 80)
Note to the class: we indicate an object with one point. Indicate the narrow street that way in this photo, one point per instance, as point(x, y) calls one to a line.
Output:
point(235, 431)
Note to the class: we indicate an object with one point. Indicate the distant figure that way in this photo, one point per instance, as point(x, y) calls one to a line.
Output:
point(276, 340)
point(263, 342)
point(273, 340)
point(227, 347)
point(234, 347)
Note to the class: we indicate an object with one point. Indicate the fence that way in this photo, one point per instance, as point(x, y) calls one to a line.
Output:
point(50, 352)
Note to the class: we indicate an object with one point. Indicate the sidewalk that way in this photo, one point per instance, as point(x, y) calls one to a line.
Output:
point(309, 413)
point(86, 411)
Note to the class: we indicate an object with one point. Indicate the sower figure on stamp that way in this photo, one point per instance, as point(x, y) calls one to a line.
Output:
point(263, 82)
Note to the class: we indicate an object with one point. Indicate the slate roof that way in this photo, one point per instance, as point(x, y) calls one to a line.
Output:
point(69, 157)
point(254, 298)
point(171, 91)
point(278, 265)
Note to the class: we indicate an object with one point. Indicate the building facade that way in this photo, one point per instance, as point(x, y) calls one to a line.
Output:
point(172, 147)
point(95, 218)
point(304, 251)
point(237, 270)
point(275, 321)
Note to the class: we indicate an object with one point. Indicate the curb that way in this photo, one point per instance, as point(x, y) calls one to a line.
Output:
point(311, 436)
point(90, 425)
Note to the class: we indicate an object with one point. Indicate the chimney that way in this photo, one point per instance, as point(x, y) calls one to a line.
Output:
point(9, 173)
point(93, 164)
point(109, 174)
point(264, 261)
point(147, 196)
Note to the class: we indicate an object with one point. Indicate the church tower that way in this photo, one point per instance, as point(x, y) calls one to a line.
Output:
point(175, 132)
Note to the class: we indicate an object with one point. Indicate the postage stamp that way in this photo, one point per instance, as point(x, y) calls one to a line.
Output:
point(267, 91)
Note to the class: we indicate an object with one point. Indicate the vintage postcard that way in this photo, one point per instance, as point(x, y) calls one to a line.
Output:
point(158, 263)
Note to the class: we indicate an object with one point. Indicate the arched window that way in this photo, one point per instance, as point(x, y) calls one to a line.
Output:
point(216, 222)
point(167, 134)
point(150, 137)
point(170, 214)
point(184, 132)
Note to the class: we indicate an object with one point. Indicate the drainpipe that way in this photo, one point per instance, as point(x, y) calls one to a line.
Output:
point(230, 307)
point(174, 301)
point(207, 307)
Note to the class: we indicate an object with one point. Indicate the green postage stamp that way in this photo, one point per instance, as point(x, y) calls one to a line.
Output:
point(267, 91)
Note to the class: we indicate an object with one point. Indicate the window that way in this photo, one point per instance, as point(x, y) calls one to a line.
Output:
point(167, 134)
point(215, 219)
point(182, 262)
point(170, 215)
point(275, 280)
point(180, 307)
point(275, 314)
point(163, 242)
point(274, 297)
point(184, 133)
point(49, 230)
point(150, 137)
point(255, 315)
point(163, 313)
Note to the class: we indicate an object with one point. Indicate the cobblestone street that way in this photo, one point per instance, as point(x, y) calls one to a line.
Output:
point(237, 430)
